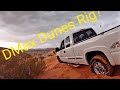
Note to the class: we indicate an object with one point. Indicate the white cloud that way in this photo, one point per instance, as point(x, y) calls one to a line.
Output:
point(24, 25)
point(8, 44)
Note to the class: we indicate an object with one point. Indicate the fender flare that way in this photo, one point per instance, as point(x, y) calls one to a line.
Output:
point(102, 49)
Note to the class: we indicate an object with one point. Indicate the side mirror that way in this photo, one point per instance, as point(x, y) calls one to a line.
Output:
point(57, 49)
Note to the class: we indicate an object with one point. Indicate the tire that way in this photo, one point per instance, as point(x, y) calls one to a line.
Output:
point(100, 65)
point(59, 59)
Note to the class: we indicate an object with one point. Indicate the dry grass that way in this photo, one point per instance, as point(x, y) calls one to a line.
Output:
point(23, 66)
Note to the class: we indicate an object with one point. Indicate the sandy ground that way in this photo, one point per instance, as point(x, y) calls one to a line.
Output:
point(56, 70)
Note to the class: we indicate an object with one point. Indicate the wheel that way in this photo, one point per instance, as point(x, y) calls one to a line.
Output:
point(100, 65)
point(59, 59)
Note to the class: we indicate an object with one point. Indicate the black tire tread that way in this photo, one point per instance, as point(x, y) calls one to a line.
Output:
point(103, 59)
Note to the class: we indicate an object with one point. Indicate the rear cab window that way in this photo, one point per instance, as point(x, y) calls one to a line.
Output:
point(83, 34)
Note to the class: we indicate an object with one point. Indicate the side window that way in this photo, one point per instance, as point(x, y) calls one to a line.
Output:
point(67, 41)
point(62, 46)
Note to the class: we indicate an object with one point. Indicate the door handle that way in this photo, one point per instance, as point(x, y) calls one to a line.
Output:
point(64, 51)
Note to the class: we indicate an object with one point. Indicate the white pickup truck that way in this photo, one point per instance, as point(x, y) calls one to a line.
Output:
point(100, 51)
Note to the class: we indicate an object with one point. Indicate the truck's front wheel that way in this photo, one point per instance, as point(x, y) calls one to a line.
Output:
point(100, 65)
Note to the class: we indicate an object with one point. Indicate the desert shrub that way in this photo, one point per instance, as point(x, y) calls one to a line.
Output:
point(23, 66)
point(54, 52)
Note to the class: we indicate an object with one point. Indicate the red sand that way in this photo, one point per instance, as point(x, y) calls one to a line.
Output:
point(56, 70)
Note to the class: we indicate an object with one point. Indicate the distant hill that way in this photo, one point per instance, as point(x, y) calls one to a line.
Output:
point(44, 49)
point(37, 51)
point(40, 50)
point(2, 48)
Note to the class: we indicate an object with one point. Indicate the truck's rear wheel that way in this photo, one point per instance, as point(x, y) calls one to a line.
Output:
point(100, 65)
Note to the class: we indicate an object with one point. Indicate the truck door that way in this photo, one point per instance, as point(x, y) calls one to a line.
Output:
point(62, 52)
point(69, 52)
point(80, 43)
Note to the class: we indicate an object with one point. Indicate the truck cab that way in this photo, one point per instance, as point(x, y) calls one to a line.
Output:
point(68, 52)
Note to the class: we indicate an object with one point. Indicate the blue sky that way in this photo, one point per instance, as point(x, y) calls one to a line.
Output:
point(21, 26)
